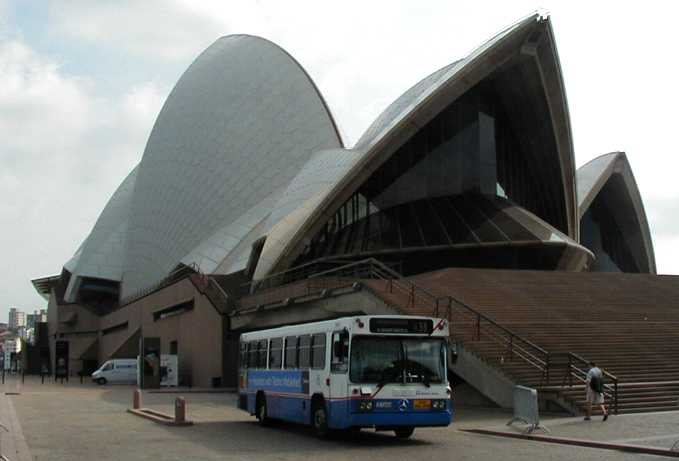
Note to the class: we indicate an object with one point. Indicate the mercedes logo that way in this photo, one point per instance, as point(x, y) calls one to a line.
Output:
point(403, 405)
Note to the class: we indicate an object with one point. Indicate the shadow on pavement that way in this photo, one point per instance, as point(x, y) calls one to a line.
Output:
point(284, 437)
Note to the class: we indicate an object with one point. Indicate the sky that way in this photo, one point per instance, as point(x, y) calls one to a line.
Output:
point(82, 82)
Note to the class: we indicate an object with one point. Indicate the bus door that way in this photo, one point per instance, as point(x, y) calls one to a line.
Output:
point(340, 404)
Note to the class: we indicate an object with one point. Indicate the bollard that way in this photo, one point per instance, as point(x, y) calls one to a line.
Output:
point(179, 410)
point(136, 399)
point(42, 378)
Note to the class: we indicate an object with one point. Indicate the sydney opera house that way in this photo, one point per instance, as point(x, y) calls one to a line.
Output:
point(248, 210)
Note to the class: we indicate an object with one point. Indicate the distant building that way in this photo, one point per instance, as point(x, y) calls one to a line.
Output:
point(36, 317)
point(17, 319)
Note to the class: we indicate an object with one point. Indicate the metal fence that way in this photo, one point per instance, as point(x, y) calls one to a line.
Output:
point(526, 409)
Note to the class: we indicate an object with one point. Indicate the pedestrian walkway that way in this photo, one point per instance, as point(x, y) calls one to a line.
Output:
point(84, 421)
point(12, 443)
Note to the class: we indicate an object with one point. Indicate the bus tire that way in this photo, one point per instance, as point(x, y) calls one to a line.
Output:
point(319, 419)
point(404, 432)
point(261, 410)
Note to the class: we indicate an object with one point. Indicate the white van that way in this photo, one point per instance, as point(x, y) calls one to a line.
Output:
point(119, 371)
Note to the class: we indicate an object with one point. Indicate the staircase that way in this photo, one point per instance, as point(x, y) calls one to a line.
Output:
point(627, 323)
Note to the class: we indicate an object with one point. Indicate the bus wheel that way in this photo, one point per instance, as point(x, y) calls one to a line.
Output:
point(319, 419)
point(404, 432)
point(261, 411)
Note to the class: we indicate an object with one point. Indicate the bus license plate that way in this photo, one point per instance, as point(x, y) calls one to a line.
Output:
point(422, 404)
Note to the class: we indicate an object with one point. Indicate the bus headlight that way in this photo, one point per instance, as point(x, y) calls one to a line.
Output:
point(365, 405)
point(438, 404)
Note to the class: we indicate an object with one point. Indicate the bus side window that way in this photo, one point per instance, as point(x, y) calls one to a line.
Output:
point(243, 355)
point(276, 354)
point(318, 351)
point(262, 358)
point(340, 352)
point(304, 351)
point(291, 352)
point(252, 354)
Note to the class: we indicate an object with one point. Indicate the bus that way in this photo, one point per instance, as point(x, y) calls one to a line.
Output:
point(376, 371)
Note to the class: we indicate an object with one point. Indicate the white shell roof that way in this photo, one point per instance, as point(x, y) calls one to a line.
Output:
point(286, 240)
point(302, 198)
point(238, 126)
point(101, 254)
point(245, 146)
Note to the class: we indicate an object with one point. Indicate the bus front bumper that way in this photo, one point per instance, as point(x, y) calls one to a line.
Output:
point(387, 420)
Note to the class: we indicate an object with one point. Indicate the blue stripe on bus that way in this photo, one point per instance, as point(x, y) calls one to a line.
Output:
point(293, 381)
point(344, 413)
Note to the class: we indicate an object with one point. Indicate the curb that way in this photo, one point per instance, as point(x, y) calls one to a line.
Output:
point(579, 442)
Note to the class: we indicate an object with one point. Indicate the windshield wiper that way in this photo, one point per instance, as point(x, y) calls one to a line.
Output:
point(384, 378)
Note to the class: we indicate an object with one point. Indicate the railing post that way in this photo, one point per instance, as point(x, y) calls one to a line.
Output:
point(548, 365)
point(570, 370)
point(616, 396)
point(511, 347)
point(412, 295)
point(478, 327)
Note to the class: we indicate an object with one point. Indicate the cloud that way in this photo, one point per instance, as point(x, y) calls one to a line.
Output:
point(159, 29)
point(42, 113)
point(64, 148)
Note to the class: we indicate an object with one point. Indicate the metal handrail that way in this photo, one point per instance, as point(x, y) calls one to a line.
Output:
point(610, 390)
point(372, 264)
point(418, 296)
point(516, 345)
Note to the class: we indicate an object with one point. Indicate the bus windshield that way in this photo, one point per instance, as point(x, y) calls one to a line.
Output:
point(384, 360)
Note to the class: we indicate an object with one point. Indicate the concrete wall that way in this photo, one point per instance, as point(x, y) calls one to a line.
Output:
point(347, 303)
point(484, 378)
point(79, 334)
point(198, 332)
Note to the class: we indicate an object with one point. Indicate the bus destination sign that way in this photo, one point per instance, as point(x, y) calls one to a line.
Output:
point(400, 326)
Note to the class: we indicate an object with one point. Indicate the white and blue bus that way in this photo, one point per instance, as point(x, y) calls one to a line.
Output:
point(382, 372)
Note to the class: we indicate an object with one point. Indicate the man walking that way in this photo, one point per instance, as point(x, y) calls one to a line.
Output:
point(595, 390)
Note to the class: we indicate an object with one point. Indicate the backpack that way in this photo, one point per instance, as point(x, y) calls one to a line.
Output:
point(596, 384)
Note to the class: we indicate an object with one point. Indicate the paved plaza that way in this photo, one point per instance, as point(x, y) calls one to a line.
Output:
point(84, 421)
